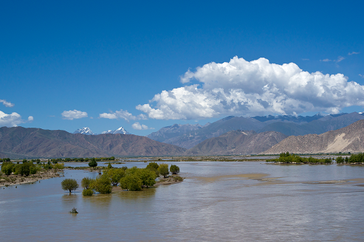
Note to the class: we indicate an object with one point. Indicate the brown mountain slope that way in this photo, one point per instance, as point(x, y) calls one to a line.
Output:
point(237, 142)
point(31, 142)
point(347, 139)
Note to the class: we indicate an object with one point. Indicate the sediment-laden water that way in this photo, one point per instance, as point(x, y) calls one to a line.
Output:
point(218, 201)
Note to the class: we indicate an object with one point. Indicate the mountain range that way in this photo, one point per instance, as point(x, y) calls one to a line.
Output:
point(188, 136)
point(228, 136)
point(237, 142)
point(347, 139)
point(19, 142)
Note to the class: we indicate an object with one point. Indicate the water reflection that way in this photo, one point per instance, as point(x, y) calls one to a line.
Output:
point(137, 196)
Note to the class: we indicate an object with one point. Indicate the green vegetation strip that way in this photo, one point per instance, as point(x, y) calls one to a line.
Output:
point(131, 179)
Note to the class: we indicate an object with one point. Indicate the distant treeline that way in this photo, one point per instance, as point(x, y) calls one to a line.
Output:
point(4, 159)
point(353, 159)
point(27, 167)
point(82, 159)
point(287, 158)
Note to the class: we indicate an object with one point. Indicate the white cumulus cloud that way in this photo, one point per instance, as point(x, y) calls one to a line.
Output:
point(12, 120)
point(139, 126)
point(74, 114)
point(257, 87)
point(122, 114)
point(6, 104)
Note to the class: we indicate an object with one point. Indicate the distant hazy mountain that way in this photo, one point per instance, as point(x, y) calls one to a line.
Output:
point(84, 130)
point(120, 130)
point(318, 126)
point(347, 139)
point(167, 134)
point(288, 125)
point(237, 142)
point(21, 142)
point(191, 138)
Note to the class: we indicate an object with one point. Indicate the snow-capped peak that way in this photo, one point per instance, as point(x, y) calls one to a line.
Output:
point(84, 130)
point(120, 130)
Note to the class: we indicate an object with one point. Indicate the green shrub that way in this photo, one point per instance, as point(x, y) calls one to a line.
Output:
point(174, 169)
point(92, 163)
point(69, 184)
point(33, 170)
point(177, 178)
point(87, 192)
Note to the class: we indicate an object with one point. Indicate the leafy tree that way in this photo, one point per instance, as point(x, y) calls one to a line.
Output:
point(131, 182)
point(115, 175)
point(7, 168)
point(163, 170)
point(69, 184)
point(174, 169)
point(153, 167)
point(85, 182)
point(102, 184)
point(147, 177)
point(92, 163)
point(339, 160)
point(109, 166)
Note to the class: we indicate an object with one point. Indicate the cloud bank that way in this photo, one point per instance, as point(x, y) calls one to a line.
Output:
point(249, 88)
point(12, 120)
point(74, 114)
point(122, 114)
point(6, 104)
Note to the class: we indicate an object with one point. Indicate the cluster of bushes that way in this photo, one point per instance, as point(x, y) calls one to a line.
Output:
point(24, 169)
point(288, 158)
point(27, 167)
point(133, 179)
point(4, 159)
point(353, 159)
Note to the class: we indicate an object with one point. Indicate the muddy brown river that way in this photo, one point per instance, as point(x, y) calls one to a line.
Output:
point(218, 201)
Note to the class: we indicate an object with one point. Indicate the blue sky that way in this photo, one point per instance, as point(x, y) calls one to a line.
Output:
point(144, 65)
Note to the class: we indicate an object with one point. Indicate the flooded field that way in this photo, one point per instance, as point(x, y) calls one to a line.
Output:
point(218, 201)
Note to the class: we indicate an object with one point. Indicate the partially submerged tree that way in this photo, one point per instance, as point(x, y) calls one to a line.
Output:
point(147, 177)
point(115, 174)
point(131, 182)
point(85, 182)
point(102, 184)
point(69, 184)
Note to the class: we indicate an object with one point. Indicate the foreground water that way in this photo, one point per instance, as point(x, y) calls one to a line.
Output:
point(218, 201)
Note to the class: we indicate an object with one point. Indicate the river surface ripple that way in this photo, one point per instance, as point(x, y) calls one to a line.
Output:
point(218, 201)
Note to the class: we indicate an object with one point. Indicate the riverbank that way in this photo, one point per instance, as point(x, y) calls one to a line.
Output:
point(13, 180)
